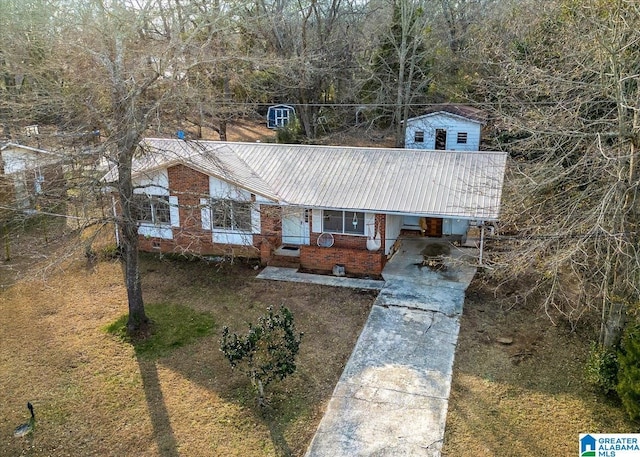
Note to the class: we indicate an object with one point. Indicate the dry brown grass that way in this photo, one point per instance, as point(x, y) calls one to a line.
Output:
point(527, 398)
point(94, 397)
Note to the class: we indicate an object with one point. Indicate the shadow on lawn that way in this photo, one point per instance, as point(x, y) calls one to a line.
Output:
point(162, 431)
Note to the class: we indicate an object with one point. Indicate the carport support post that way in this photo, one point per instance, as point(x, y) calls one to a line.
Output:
point(481, 242)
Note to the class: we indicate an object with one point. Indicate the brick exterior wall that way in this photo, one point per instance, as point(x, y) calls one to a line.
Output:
point(270, 237)
point(355, 261)
point(189, 186)
point(348, 250)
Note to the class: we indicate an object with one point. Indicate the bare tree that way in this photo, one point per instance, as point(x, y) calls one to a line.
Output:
point(124, 63)
point(400, 68)
point(565, 84)
point(305, 50)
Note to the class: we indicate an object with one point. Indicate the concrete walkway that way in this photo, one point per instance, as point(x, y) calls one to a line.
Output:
point(392, 397)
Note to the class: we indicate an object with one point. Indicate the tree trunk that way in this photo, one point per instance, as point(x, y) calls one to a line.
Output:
point(257, 383)
point(613, 324)
point(223, 130)
point(306, 120)
point(138, 321)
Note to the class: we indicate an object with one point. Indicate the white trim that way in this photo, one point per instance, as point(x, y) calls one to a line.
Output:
point(174, 211)
point(256, 226)
point(316, 220)
point(205, 214)
point(155, 231)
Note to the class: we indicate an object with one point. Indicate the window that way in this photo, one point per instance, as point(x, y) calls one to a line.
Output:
point(462, 137)
point(231, 214)
point(349, 222)
point(38, 182)
point(151, 209)
point(418, 136)
point(281, 117)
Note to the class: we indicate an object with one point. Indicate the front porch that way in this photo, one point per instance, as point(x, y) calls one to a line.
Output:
point(322, 260)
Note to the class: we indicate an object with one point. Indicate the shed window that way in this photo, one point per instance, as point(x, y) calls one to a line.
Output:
point(418, 136)
point(462, 137)
point(349, 222)
point(281, 116)
point(151, 209)
point(38, 182)
point(231, 214)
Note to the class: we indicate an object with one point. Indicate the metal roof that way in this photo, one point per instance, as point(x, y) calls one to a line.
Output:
point(11, 145)
point(403, 181)
point(468, 112)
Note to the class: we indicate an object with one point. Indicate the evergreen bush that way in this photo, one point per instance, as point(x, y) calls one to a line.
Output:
point(290, 133)
point(602, 368)
point(267, 352)
point(629, 372)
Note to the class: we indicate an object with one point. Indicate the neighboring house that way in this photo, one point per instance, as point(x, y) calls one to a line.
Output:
point(30, 177)
point(446, 127)
point(279, 116)
point(324, 206)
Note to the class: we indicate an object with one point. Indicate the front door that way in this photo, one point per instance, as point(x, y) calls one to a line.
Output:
point(433, 226)
point(441, 139)
point(295, 226)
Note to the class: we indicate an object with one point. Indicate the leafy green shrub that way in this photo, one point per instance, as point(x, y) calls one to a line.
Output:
point(109, 252)
point(267, 352)
point(290, 133)
point(629, 373)
point(602, 368)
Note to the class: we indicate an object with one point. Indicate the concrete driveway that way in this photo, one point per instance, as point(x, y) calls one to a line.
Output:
point(392, 397)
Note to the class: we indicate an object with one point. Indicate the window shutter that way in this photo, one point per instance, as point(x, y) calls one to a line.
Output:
point(369, 224)
point(255, 218)
point(316, 220)
point(205, 214)
point(174, 211)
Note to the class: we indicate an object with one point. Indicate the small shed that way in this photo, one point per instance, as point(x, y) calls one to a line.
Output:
point(280, 115)
point(447, 128)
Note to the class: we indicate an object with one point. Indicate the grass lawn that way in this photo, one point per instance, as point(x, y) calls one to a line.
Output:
point(94, 395)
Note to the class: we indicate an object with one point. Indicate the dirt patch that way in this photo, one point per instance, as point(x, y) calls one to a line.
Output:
point(518, 386)
point(436, 249)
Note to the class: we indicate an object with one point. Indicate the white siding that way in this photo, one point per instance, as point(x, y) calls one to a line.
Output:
point(16, 158)
point(451, 123)
point(455, 226)
point(222, 189)
point(152, 183)
point(392, 231)
point(155, 231)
